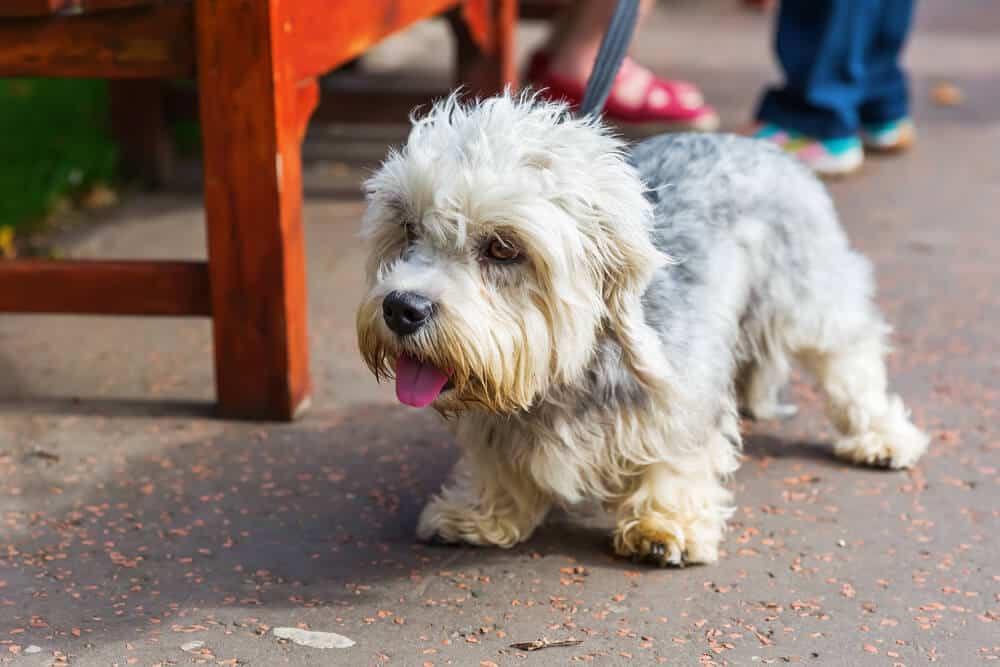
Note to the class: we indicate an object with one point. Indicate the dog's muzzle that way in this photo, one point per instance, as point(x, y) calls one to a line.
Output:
point(406, 313)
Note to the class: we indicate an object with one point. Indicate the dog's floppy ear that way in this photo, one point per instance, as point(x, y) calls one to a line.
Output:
point(600, 189)
point(628, 263)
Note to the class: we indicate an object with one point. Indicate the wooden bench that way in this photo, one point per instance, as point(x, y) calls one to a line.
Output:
point(256, 64)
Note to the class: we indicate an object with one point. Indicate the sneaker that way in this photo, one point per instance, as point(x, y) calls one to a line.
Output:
point(891, 137)
point(828, 158)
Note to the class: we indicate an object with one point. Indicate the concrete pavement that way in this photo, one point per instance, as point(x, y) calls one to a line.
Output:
point(135, 525)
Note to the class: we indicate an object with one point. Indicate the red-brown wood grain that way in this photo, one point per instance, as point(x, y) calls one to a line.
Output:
point(34, 7)
point(113, 5)
point(99, 287)
point(484, 33)
point(490, 23)
point(48, 7)
point(323, 35)
point(478, 16)
point(252, 119)
point(151, 42)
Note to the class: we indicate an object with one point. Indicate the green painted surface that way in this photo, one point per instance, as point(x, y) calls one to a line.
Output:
point(54, 144)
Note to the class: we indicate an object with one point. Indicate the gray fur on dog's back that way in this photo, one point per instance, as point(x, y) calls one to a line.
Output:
point(757, 250)
point(704, 186)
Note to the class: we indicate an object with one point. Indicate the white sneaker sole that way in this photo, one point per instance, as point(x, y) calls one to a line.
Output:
point(838, 167)
point(897, 141)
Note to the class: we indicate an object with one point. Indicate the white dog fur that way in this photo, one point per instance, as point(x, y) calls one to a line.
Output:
point(657, 290)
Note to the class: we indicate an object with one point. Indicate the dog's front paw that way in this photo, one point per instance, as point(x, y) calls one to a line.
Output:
point(666, 542)
point(442, 522)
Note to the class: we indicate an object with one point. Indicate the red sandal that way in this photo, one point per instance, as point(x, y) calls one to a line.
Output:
point(666, 105)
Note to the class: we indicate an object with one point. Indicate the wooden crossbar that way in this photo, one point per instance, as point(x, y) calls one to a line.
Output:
point(104, 287)
point(155, 42)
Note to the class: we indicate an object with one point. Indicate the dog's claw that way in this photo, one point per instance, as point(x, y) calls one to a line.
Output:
point(665, 555)
point(436, 540)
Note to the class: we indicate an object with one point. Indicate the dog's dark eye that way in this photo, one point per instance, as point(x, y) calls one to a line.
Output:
point(502, 250)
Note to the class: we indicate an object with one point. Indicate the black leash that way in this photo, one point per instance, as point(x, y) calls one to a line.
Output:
point(614, 46)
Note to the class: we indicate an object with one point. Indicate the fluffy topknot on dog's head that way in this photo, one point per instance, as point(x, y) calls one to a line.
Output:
point(521, 171)
point(512, 131)
point(521, 142)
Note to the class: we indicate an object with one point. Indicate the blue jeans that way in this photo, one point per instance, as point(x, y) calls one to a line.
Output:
point(841, 64)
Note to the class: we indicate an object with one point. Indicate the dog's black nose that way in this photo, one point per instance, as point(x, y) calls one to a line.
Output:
point(406, 312)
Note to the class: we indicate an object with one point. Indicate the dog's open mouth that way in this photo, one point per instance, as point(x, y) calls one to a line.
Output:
point(418, 383)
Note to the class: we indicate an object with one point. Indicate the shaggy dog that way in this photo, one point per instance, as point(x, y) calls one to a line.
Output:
point(592, 318)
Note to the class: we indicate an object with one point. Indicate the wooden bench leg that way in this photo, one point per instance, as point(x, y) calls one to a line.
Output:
point(484, 35)
point(253, 116)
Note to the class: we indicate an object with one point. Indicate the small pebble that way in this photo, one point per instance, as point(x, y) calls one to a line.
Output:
point(313, 638)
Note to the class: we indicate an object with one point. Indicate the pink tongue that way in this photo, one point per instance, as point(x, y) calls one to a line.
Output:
point(417, 383)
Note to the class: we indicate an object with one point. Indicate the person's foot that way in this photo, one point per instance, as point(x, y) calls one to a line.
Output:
point(638, 97)
point(827, 158)
point(891, 137)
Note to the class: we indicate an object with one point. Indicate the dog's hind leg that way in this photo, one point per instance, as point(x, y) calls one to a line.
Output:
point(874, 426)
point(486, 504)
point(760, 384)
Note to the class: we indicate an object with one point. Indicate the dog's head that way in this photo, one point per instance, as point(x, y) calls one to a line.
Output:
point(507, 237)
